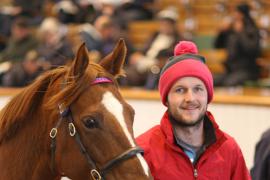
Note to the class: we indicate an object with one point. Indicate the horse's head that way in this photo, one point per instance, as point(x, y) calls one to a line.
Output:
point(94, 122)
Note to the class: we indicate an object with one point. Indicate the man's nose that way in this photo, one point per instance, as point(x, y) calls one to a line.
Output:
point(189, 96)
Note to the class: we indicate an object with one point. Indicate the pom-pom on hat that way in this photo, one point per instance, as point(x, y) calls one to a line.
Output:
point(185, 62)
point(185, 47)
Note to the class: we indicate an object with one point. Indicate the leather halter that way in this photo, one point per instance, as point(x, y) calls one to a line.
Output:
point(96, 174)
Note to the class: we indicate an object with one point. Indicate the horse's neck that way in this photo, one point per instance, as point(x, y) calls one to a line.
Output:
point(26, 155)
point(18, 166)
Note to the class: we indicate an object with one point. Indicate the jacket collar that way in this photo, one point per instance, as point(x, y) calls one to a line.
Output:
point(167, 128)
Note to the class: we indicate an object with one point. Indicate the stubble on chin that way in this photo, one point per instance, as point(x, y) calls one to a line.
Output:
point(179, 121)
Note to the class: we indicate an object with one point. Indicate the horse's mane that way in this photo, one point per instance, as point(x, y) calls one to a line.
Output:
point(24, 105)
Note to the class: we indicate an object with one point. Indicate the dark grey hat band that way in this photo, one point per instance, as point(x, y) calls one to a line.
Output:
point(175, 59)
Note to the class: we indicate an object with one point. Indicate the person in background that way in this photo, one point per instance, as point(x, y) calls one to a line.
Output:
point(103, 35)
point(145, 64)
point(240, 38)
point(188, 144)
point(12, 9)
point(54, 49)
point(32, 9)
point(98, 35)
point(261, 167)
point(74, 11)
point(22, 74)
point(21, 41)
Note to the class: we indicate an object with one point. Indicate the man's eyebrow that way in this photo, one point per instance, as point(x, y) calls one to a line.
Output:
point(179, 86)
point(198, 85)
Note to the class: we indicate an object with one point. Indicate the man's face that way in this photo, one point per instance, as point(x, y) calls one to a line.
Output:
point(187, 101)
point(19, 33)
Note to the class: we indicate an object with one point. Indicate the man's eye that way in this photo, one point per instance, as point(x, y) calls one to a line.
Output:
point(198, 89)
point(179, 90)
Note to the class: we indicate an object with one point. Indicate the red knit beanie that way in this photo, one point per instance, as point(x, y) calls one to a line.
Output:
point(185, 62)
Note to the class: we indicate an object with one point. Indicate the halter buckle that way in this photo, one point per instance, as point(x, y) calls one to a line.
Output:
point(72, 129)
point(95, 174)
point(53, 133)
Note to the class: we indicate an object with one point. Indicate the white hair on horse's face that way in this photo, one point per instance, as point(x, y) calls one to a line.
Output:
point(116, 108)
point(65, 178)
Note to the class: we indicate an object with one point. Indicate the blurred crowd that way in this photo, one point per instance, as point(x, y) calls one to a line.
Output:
point(35, 37)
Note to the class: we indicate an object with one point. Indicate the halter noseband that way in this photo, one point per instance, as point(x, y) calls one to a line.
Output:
point(65, 113)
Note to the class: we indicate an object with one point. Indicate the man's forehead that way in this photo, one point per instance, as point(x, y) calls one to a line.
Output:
point(189, 81)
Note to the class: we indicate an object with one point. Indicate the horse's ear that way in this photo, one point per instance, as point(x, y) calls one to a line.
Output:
point(80, 62)
point(113, 62)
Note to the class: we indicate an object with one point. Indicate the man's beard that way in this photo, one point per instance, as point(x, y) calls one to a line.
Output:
point(180, 122)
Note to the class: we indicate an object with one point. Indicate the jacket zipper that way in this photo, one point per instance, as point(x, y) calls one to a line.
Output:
point(195, 173)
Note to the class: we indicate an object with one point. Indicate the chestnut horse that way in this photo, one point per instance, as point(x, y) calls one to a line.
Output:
point(72, 122)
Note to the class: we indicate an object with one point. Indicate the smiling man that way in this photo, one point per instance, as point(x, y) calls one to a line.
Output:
point(188, 143)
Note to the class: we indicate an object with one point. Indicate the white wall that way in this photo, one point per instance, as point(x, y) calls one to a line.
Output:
point(245, 123)
point(3, 100)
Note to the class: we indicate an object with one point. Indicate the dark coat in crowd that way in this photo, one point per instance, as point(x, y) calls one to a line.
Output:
point(16, 50)
point(261, 168)
point(241, 40)
point(58, 55)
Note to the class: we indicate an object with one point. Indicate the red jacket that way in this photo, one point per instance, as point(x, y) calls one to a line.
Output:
point(222, 160)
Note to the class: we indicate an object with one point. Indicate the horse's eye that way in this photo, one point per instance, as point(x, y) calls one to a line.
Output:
point(91, 123)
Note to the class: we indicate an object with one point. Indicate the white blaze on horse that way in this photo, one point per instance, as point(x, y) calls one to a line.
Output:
point(72, 122)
